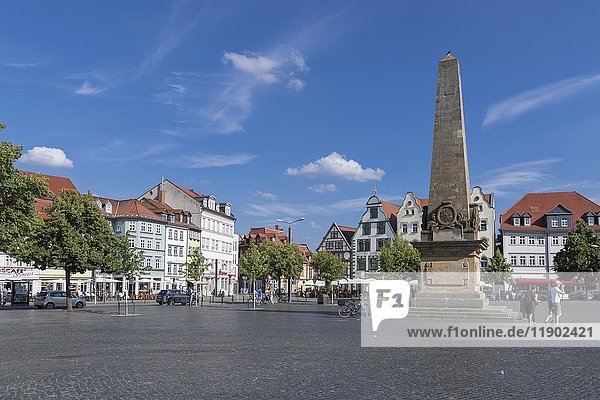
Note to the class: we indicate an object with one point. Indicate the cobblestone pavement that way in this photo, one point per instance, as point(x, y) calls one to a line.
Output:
point(281, 351)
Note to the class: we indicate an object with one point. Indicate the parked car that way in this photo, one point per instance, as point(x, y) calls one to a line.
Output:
point(56, 298)
point(172, 296)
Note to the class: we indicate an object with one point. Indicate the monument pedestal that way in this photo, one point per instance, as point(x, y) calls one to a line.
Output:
point(451, 271)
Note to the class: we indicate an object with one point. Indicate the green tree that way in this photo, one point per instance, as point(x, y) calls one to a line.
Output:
point(253, 265)
point(76, 237)
point(328, 266)
point(498, 270)
point(129, 262)
point(18, 192)
point(283, 260)
point(399, 256)
point(581, 253)
point(195, 266)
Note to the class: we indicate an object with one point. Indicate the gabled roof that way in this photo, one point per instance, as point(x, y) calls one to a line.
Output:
point(131, 208)
point(421, 202)
point(540, 204)
point(267, 233)
point(389, 209)
point(305, 250)
point(56, 183)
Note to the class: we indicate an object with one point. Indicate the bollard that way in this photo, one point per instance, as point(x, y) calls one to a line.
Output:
point(118, 308)
point(132, 306)
point(222, 297)
point(202, 301)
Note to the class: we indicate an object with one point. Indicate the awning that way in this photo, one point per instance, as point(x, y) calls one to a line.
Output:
point(355, 281)
point(545, 281)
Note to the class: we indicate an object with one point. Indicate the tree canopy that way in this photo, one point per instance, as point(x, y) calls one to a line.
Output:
point(497, 270)
point(328, 266)
point(196, 266)
point(253, 263)
point(399, 256)
point(18, 193)
point(581, 253)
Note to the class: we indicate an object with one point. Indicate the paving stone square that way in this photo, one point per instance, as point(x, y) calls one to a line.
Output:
point(297, 351)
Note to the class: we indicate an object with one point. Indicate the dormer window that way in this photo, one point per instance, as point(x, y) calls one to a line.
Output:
point(527, 221)
point(187, 219)
point(109, 208)
point(517, 221)
point(99, 203)
point(373, 211)
point(172, 218)
point(227, 210)
point(554, 223)
point(564, 222)
point(590, 220)
point(180, 217)
point(164, 216)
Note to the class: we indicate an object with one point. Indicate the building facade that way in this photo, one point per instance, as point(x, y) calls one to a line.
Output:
point(536, 227)
point(377, 226)
point(217, 236)
point(338, 241)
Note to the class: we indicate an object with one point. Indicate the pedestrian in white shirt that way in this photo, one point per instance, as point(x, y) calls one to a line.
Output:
point(555, 292)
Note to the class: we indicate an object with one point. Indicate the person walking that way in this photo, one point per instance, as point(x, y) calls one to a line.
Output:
point(530, 304)
point(555, 292)
point(3, 296)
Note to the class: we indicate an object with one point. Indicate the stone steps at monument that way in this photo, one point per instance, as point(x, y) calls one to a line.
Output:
point(494, 312)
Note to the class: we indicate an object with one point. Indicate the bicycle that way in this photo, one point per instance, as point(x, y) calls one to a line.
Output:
point(353, 308)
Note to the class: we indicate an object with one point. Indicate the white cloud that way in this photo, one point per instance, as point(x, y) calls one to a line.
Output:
point(177, 87)
point(299, 61)
point(323, 188)
point(261, 68)
point(336, 165)
point(314, 225)
point(214, 160)
point(19, 64)
point(46, 156)
point(87, 89)
point(527, 176)
point(266, 195)
point(535, 98)
point(296, 84)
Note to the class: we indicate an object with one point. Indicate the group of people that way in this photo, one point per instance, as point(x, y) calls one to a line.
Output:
point(4, 295)
point(531, 299)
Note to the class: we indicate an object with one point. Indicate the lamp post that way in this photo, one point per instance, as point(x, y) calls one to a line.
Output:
point(289, 224)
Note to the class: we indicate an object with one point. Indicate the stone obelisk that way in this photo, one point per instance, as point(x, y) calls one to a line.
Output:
point(450, 247)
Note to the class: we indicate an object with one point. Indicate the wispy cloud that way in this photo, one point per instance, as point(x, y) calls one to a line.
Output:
point(14, 64)
point(314, 225)
point(293, 210)
point(266, 195)
point(337, 165)
point(87, 89)
point(535, 98)
point(213, 160)
point(526, 176)
point(46, 156)
point(180, 23)
point(323, 188)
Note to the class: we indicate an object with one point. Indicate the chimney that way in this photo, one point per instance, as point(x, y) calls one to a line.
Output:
point(276, 227)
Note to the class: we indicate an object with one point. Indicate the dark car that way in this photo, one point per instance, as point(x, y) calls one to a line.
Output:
point(172, 296)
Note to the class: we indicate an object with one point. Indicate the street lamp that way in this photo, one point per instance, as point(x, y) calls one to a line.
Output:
point(289, 224)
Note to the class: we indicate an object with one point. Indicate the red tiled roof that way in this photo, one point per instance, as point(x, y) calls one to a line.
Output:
point(390, 209)
point(267, 233)
point(56, 183)
point(304, 249)
point(539, 204)
point(421, 202)
point(488, 197)
point(40, 204)
point(189, 192)
point(127, 208)
point(347, 228)
point(158, 207)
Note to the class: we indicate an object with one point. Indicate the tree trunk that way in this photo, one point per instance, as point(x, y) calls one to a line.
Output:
point(68, 289)
point(253, 293)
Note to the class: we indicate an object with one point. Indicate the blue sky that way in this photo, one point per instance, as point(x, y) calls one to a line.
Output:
point(290, 109)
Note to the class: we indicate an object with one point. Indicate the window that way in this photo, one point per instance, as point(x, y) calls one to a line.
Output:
point(172, 218)
point(483, 225)
point(480, 207)
point(143, 227)
point(373, 211)
point(532, 260)
point(513, 240)
point(132, 226)
point(109, 208)
point(415, 227)
point(366, 228)
point(404, 228)
point(522, 260)
point(564, 222)
point(380, 228)
point(516, 221)
point(364, 245)
point(540, 240)
point(542, 260)
point(149, 227)
point(531, 240)
point(521, 240)
point(513, 260)
point(590, 220)
point(158, 229)
point(142, 244)
point(381, 243)
point(170, 234)
point(373, 263)
point(333, 235)
point(148, 262)
point(361, 263)
point(329, 245)
point(338, 245)
point(181, 235)
point(169, 269)
point(131, 242)
point(181, 251)
point(527, 221)
point(169, 250)
point(554, 223)
point(554, 240)
point(407, 212)
point(180, 217)
point(564, 240)
point(157, 245)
